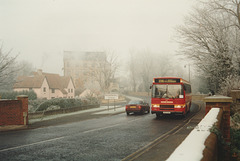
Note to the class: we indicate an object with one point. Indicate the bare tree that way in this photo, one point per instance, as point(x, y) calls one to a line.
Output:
point(110, 67)
point(133, 72)
point(143, 65)
point(207, 39)
point(229, 7)
point(7, 68)
point(25, 68)
point(146, 69)
point(104, 69)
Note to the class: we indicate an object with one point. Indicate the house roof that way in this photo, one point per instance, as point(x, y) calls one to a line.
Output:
point(55, 81)
point(29, 82)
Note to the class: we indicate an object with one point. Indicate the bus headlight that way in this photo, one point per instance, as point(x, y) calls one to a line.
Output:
point(179, 106)
point(155, 105)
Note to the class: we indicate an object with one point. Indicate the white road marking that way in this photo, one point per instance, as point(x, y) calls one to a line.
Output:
point(17, 147)
point(54, 139)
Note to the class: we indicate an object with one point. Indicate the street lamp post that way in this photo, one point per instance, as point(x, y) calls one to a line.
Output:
point(188, 71)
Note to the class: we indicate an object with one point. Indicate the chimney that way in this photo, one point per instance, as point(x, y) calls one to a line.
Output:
point(39, 71)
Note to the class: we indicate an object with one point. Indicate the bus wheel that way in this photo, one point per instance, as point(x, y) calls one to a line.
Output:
point(189, 107)
point(127, 113)
point(184, 115)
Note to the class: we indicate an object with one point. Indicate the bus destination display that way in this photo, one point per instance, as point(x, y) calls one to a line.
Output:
point(167, 80)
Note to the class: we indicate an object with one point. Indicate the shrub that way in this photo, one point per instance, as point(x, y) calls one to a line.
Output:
point(230, 83)
point(12, 95)
point(61, 102)
point(235, 140)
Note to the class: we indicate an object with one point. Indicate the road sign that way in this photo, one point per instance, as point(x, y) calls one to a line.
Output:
point(111, 96)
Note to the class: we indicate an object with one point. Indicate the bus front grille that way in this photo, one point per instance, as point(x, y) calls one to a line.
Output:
point(167, 106)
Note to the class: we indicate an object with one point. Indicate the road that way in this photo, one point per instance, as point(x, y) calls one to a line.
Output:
point(101, 137)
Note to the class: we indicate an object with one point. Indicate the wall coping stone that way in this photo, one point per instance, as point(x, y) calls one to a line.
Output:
point(218, 98)
point(22, 96)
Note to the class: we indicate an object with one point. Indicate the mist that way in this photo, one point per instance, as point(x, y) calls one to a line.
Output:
point(40, 31)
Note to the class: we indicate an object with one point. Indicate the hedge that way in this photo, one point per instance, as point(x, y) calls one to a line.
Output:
point(62, 103)
point(12, 95)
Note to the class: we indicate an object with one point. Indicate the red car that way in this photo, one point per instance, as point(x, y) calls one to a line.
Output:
point(137, 106)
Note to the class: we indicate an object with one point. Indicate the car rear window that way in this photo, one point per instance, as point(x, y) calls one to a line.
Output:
point(135, 102)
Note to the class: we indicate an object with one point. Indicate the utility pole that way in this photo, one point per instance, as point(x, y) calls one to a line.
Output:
point(189, 73)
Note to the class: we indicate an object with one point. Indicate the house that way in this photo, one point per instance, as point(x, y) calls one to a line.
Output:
point(46, 85)
point(87, 93)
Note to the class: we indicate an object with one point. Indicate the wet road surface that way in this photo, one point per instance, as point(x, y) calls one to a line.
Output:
point(103, 137)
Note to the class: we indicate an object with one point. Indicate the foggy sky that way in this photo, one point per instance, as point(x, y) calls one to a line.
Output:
point(40, 30)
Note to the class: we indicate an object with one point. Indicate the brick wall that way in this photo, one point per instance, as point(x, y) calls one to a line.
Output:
point(12, 112)
point(224, 104)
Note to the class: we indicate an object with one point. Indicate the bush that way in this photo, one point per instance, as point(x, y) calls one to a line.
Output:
point(235, 140)
point(61, 102)
point(230, 83)
point(12, 95)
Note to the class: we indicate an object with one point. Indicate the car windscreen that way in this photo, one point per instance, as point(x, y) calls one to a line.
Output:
point(167, 91)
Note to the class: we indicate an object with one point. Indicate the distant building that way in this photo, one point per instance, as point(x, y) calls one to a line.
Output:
point(84, 66)
point(46, 85)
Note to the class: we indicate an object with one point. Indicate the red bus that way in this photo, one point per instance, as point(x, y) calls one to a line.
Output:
point(170, 95)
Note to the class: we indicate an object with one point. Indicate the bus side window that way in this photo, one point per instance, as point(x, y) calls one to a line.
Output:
point(184, 87)
point(187, 88)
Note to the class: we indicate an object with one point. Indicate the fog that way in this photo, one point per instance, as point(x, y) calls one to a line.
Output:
point(40, 30)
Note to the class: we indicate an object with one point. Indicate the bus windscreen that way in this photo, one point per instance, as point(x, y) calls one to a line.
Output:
point(167, 91)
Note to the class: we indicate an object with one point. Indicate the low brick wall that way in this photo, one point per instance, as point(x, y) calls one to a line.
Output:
point(198, 97)
point(224, 103)
point(210, 152)
point(211, 147)
point(14, 112)
point(200, 144)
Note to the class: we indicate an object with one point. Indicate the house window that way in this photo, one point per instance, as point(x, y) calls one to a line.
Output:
point(53, 90)
point(68, 90)
point(44, 89)
point(71, 90)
